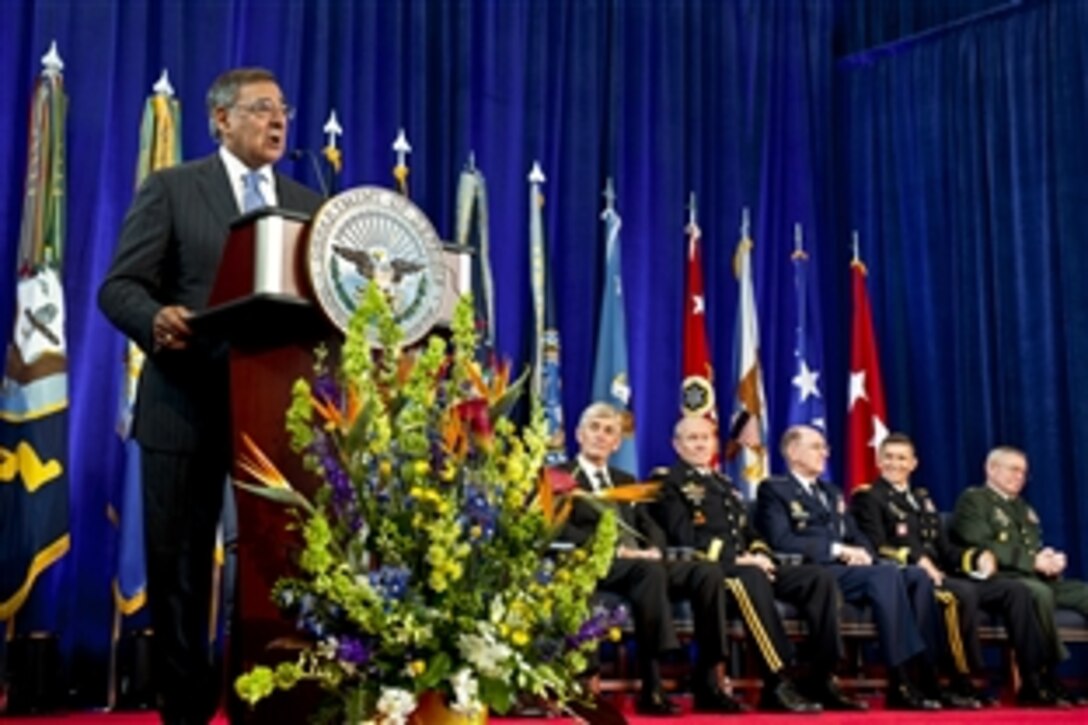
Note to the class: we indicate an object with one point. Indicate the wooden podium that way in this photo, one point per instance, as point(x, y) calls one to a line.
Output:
point(261, 305)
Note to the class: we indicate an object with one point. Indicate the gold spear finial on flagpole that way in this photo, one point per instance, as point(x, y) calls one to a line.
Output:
point(856, 260)
point(400, 171)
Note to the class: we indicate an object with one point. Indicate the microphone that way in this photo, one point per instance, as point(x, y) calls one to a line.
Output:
point(297, 154)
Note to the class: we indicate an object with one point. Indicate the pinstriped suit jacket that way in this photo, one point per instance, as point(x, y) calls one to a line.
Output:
point(168, 253)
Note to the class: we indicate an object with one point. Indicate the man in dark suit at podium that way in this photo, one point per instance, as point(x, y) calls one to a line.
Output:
point(163, 272)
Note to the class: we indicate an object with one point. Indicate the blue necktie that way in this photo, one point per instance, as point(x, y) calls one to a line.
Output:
point(252, 198)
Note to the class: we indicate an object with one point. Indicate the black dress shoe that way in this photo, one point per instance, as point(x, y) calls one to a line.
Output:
point(713, 699)
point(828, 694)
point(1033, 695)
point(1056, 687)
point(958, 701)
point(656, 703)
point(905, 697)
point(962, 685)
point(784, 697)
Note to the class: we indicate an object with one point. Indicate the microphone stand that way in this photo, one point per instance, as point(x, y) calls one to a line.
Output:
point(314, 164)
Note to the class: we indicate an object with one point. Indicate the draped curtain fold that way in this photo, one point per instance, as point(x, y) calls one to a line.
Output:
point(966, 167)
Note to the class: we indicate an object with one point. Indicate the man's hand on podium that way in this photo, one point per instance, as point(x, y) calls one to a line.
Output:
point(171, 328)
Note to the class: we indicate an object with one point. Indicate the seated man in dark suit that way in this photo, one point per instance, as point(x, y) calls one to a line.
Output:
point(904, 525)
point(995, 517)
point(801, 514)
point(700, 509)
point(641, 575)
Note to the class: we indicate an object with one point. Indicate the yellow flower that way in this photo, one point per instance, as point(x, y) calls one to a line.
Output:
point(422, 468)
point(417, 667)
point(520, 638)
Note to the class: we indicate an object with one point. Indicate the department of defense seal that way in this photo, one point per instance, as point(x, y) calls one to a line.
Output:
point(372, 235)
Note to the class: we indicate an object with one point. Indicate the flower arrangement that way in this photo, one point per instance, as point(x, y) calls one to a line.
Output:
point(427, 563)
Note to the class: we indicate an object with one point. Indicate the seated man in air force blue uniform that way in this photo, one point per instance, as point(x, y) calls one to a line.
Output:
point(801, 514)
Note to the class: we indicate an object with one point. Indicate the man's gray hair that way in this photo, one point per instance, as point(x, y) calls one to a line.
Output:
point(598, 410)
point(793, 434)
point(224, 91)
point(1002, 451)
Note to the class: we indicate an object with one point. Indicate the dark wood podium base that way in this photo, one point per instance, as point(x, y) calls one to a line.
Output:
point(261, 381)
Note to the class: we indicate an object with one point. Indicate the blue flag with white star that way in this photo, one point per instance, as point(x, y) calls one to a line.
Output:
point(806, 379)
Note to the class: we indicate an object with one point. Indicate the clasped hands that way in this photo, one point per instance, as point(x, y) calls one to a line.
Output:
point(854, 555)
point(1050, 562)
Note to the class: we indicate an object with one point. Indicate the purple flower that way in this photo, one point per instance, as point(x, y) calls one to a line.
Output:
point(353, 651)
point(597, 626)
point(325, 388)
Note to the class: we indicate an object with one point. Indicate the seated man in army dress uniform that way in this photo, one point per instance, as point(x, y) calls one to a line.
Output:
point(903, 524)
point(700, 509)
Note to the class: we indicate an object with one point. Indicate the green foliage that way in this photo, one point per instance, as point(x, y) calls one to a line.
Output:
point(426, 562)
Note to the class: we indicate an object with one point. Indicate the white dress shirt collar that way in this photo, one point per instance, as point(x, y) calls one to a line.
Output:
point(236, 170)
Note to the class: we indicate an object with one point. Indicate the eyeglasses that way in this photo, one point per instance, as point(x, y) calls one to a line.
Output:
point(265, 107)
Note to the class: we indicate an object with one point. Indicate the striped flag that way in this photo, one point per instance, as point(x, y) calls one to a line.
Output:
point(472, 233)
point(547, 385)
point(34, 530)
point(750, 463)
point(867, 413)
point(611, 380)
point(806, 396)
point(160, 147)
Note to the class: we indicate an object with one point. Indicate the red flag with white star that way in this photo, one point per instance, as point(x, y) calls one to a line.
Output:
point(867, 414)
point(697, 389)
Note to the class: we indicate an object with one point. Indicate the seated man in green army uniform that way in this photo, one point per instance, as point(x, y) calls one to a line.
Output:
point(994, 516)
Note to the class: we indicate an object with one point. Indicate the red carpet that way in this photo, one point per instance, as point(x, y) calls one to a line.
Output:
point(992, 716)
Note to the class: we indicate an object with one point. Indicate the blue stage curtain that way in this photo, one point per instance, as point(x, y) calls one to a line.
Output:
point(730, 100)
point(967, 162)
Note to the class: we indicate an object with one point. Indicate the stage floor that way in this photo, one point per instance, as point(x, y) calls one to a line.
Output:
point(877, 716)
